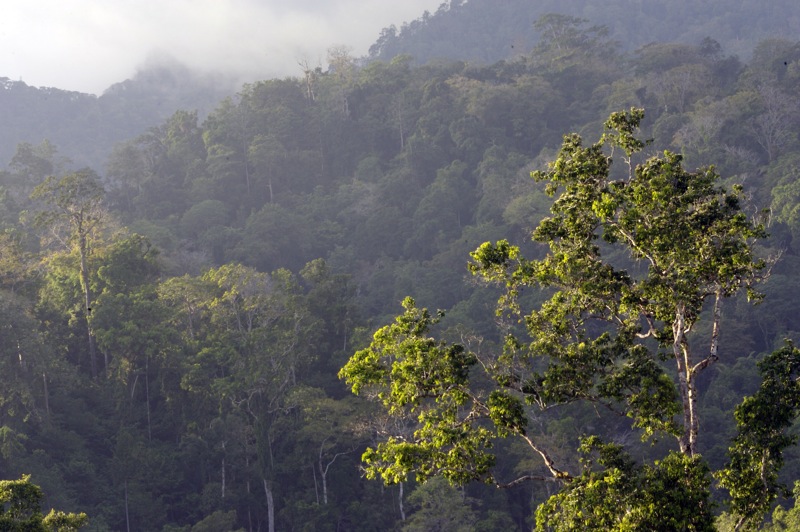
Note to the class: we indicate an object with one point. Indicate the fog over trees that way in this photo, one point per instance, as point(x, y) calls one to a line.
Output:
point(516, 269)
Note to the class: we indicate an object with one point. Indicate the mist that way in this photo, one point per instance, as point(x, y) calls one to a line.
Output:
point(87, 45)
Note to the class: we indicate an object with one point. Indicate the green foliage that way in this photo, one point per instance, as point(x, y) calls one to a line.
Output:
point(411, 373)
point(20, 510)
point(455, 29)
point(756, 455)
point(23, 354)
point(76, 198)
point(783, 519)
point(609, 322)
point(220, 407)
point(217, 522)
point(621, 495)
point(437, 506)
point(689, 236)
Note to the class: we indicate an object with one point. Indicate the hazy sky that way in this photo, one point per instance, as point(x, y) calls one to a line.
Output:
point(86, 45)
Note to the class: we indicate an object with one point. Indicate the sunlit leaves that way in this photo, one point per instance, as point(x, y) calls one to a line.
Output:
point(629, 267)
point(756, 455)
point(20, 509)
point(615, 493)
point(414, 375)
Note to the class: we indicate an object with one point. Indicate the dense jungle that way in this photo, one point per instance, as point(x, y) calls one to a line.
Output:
point(189, 274)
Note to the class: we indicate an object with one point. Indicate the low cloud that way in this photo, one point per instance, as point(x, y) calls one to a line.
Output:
point(87, 45)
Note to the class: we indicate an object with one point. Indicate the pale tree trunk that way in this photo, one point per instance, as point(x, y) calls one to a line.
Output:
point(688, 372)
point(680, 349)
point(316, 485)
point(270, 507)
point(323, 470)
point(147, 397)
point(324, 473)
point(246, 169)
point(127, 514)
point(222, 470)
point(400, 503)
point(713, 356)
point(87, 307)
point(247, 486)
point(46, 396)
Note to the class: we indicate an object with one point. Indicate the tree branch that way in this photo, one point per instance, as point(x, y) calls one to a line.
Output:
point(548, 462)
point(526, 478)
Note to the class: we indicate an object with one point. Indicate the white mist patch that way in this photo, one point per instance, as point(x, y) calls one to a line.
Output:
point(87, 45)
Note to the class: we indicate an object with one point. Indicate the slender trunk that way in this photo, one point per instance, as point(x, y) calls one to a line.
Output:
point(147, 397)
point(324, 468)
point(247, 486)
point(46, 395)
point(87, 308)
point(401, 124)
point(692, 371)
point(324, 475)
point(127, 514)
point(133, 386)
point(269, 448)
point(316, 485)
point(713, 351)
point(246, 169)
point(222, 468)
point(680, 350)
point(270, 507)
point(694, 424)
point(400, 502)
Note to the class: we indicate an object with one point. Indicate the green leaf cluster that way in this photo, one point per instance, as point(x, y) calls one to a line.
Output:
point(413, 375)
point(20, 510)
point(615, 493)
point(763, 420)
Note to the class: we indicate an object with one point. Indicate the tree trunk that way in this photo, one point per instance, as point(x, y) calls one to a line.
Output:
point(270, 507)
point(400, 503)
point(680, 350)
point(247, 487)
point(46, 396)
point(87, 308)
point(246, 169)
point(147, 396)
point(222, 469)
point(324, 474)
point(127, 514)
point(316, 485)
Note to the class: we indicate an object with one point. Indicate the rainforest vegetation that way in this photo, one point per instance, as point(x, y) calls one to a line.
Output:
point(608, 228)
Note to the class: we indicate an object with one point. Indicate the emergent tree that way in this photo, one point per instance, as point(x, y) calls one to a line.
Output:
point(76, 211)
point(635, 257)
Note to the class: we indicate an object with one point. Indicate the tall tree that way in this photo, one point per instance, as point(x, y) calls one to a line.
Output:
point(249, 336)
point(635, 256)
point(76, 212)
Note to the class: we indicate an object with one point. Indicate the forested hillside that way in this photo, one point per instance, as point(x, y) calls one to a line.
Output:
point(457, 30)
point(173, 323)
point(86, 127)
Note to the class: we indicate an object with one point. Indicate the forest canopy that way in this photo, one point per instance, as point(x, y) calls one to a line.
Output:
point(172, 322)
